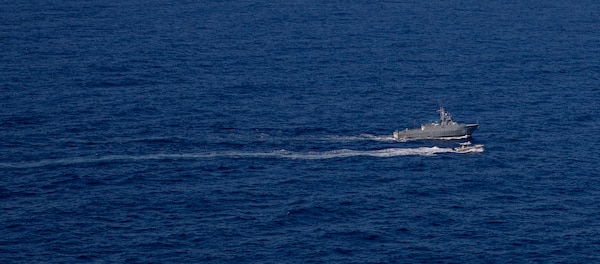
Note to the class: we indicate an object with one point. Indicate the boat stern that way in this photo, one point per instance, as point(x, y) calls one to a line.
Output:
point(397, 135)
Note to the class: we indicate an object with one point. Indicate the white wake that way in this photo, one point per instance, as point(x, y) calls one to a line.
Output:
point(277, 154)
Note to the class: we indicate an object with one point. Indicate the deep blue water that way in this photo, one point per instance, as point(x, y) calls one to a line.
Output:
point(260, 131)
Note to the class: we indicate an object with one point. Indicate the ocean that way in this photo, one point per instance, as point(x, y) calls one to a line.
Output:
point(261, 132)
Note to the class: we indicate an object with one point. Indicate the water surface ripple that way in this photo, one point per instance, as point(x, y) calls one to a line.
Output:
point(257, 131)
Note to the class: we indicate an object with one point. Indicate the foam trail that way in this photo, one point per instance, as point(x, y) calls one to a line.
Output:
point(336, 138)
point(383, 138)
point(383, 153)
point(455, 138)
point(278, 154)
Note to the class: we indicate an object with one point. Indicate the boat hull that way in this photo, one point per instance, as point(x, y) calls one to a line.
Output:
point(432, 132)
point(469, 149)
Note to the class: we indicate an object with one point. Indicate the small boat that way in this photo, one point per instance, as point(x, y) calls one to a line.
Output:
point(444, 128)
point(466, 147)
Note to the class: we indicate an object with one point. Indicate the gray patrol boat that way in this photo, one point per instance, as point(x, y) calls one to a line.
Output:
point(444, 128)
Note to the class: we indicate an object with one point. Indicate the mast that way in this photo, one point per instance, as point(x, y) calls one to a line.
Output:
point(443, 116)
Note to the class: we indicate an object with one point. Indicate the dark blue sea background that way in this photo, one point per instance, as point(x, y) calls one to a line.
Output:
point(219, 131)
